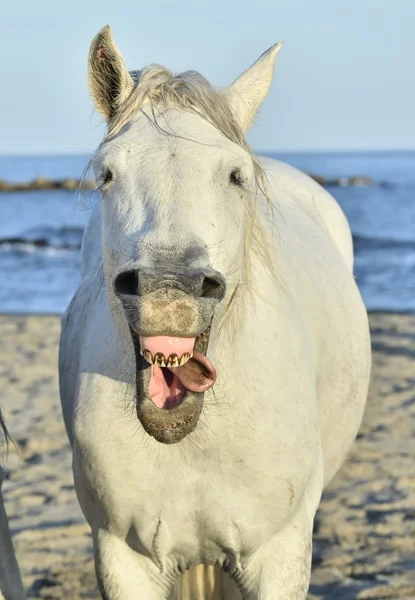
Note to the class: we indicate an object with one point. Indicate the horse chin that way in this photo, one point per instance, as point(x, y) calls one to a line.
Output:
point(167, 425)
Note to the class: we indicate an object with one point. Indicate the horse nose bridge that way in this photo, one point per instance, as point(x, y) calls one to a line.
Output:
point(179, 253)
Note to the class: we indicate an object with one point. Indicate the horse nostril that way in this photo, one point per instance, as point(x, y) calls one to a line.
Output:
point(213, 287)
point(207, 283)
point(126, 283)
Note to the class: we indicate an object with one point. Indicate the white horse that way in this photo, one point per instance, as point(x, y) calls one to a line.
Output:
point(215, 359)
point(11, 587)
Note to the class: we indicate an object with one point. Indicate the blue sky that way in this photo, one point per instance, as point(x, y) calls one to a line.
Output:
point(344, 80)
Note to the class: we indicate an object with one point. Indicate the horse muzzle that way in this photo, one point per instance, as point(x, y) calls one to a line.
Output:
point(169, 312)
point(174, 302)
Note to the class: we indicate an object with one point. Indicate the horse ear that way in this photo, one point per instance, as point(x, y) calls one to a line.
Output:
point(247, 92)
point(108, 78)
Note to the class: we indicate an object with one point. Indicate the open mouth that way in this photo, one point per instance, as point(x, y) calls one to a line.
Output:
point(178, 366)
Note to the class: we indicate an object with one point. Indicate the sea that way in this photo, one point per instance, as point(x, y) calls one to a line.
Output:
point(41, 231)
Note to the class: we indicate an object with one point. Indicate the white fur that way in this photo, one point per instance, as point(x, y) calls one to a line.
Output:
point(11, 587)
point(293, 361)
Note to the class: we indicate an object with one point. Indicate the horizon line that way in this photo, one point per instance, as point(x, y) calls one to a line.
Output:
point(263, 151)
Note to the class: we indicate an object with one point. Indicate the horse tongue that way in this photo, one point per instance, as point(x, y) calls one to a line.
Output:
point(197, 375)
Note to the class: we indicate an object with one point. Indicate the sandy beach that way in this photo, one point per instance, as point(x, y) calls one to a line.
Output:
point(364, 543)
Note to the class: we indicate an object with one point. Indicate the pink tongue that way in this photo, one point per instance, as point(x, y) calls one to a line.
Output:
point(166, 389)
point(168, 385)
point(165, 392)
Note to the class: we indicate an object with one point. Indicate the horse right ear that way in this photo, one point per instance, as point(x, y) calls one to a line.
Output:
point(247, 93)
point(108, 78)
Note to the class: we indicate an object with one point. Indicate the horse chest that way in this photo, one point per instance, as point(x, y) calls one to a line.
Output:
point(187, 520)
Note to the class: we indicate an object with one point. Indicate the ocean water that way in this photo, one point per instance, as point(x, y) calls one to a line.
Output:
point(40, 232)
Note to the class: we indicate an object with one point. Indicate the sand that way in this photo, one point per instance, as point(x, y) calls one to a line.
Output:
point(364, 543)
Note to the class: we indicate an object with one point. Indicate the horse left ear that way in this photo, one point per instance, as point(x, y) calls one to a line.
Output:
point(108, 78)
point(247, 93)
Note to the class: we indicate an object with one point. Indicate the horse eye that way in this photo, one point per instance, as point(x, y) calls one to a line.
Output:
point(236, 177)
point(105, 178)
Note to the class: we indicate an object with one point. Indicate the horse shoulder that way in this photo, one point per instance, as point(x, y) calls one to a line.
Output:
point(75, 323)
point(314, 200)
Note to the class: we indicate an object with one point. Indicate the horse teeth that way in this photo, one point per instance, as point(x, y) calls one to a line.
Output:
point(148, 356)
point(173, 361)
point(185, 358)
point(160, 360)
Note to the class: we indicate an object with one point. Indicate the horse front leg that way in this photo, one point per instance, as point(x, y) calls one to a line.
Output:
point(123, 574)
point(281, 569)
point(11, 587)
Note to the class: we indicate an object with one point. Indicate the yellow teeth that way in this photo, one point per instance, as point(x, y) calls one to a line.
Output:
point(161, 361)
